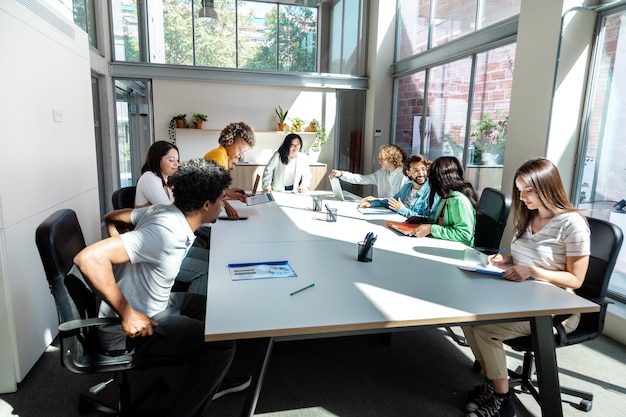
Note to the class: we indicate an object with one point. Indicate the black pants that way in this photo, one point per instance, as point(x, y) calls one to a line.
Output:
point(180, 335)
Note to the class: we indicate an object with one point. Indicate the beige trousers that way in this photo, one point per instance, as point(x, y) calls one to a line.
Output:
point(486, 342)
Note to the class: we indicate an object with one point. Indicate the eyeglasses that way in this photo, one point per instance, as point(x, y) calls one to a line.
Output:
point(417, 170)
point(243, 150)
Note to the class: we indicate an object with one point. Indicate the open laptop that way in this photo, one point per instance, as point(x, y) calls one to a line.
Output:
point(340, 194)
point(256, 184)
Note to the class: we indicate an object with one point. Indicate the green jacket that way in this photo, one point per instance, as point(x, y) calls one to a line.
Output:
point(459, 219)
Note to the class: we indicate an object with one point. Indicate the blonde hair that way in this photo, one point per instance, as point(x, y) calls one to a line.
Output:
point(393, 154)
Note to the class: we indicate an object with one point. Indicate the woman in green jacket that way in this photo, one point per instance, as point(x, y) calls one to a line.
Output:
point(456, 213)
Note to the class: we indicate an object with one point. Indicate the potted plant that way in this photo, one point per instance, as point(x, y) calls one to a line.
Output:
point(297, 124)
point(197, 119)
point(489, 139)
point(180, 120)
point(282, 115)
point(316, 146)
point(314, 125)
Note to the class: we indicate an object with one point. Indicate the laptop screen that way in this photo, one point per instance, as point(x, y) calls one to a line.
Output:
point(336, 186)
point(256, 184)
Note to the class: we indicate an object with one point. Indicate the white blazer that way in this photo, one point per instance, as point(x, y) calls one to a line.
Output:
point(274, 173)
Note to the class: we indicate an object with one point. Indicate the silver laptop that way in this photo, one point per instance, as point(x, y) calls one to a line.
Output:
point(256, 184)
point(340, 194)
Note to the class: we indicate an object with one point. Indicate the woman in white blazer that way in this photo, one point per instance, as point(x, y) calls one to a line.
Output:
point(288, 169)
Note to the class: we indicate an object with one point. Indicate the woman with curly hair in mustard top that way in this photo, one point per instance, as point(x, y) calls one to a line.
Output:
point(234, 141)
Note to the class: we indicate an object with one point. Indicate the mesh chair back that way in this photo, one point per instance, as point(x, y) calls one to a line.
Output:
point(59, 238)
point(491, 219)
point(606, 241)
point(124, 198)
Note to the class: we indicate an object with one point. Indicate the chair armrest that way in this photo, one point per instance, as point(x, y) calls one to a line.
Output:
point(77, 360)
point(73, 326)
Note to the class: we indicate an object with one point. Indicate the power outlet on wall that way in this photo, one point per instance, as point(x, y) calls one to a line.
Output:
point(57, 115)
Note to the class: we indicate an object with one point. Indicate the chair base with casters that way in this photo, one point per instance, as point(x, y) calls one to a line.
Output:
point(125, 406)
point(523, 377)
point(59, 238)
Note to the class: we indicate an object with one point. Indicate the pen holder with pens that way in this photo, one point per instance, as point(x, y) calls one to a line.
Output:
point(365, 251)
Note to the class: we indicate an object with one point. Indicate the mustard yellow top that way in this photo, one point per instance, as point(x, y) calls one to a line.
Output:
point(218, 155)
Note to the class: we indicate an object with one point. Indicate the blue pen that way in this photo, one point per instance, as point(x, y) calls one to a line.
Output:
point(332, 216)
point(502, 250)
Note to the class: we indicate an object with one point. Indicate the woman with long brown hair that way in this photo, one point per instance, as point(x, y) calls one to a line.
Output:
point(551, 243)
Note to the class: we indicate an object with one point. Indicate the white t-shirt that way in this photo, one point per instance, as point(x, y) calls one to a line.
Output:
point(290, 173)
point(566, 234)
point(150, 190)
point(387, 184)
point(156, 248)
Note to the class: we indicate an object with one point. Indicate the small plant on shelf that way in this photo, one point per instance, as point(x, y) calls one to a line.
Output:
point(197, 119)
point(314, 125)
point(180, 120)
point(297, 124)
point(282, 116)
point(320, 140)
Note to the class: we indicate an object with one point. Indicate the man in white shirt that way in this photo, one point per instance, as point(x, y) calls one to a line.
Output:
point(134, 269)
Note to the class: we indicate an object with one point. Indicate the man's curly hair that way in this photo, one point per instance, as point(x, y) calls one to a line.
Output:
point(236, 130)
point(197, 181)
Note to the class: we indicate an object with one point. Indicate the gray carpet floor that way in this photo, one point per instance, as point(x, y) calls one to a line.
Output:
point(419, 373)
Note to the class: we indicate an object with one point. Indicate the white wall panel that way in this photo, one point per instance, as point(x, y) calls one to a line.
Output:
point(47, 164)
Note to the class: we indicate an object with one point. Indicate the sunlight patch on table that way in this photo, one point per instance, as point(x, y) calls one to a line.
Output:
point(397, 306)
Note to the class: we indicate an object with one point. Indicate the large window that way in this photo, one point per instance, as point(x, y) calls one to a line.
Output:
point(425, 24)
point(601, 183)
point(270, 36)
point(85, 17)
point(453, 106)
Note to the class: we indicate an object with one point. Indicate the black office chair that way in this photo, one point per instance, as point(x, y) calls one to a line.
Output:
point(124, 197)
point(606, 241)
point(491, 218)
point(59, 238)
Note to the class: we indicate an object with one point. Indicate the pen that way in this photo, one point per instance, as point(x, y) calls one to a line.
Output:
point(332, 216)
point(502, 250)
point(302, 289)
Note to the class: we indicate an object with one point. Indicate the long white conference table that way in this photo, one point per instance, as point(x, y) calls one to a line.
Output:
point(411, 282)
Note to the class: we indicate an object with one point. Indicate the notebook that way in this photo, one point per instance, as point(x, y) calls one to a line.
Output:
point(477, 261)
point(375, 210)
point(401, 227)
point(338, 192)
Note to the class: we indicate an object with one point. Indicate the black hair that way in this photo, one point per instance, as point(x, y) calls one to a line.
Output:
point(445, 175)
point(153, 159)
point(197, 181)
point(283, 150)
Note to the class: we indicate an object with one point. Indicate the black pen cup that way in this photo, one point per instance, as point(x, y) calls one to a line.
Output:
point(365, 252)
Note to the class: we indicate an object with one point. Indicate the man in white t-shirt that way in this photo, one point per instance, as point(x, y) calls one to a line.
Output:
point(134, 269)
